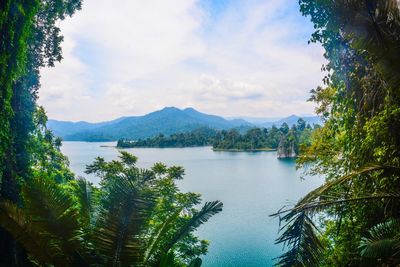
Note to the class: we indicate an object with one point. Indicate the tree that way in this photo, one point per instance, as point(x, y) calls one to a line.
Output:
point(16, 20)
point(357, 149)
point(382, 243)
point(301, 124)
point(284, 128)
point(29, 40)
point(137, 217)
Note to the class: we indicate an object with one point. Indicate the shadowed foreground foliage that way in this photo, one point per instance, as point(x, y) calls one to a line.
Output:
point(358, 148)
point(137, 217)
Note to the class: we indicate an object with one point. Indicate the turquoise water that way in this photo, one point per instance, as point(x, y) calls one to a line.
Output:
point(251, 186)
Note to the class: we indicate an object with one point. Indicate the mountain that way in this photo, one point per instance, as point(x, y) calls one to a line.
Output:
point(65, 128)
point(166, 121)
point(268, 122)
point(254, 120)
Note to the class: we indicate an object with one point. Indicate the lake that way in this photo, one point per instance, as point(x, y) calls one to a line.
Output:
point(251, 185)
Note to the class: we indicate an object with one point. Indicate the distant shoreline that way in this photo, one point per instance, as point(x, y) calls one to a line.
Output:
point(158, 147)
point(213, 149)
point(243, 150)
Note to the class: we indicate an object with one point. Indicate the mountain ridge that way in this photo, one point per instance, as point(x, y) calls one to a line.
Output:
point(168, 120)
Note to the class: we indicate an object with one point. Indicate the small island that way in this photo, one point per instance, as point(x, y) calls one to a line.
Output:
point(286, 141)
point(200, 137)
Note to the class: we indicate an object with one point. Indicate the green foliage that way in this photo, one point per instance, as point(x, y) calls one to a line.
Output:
point(29, 39)
point(327, 198)
point(382, 243)
point(358, 149)
point(283, 138)
point(297, 138)
point(16, 20)
point(299, 235)
point(44, 148)
point(32, 40)
point(198, 137)
point(137, 217)
point(15, 221)
point(61, 221)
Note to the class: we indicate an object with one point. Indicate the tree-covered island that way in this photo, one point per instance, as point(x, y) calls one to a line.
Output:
point(200, 137)
point(286, 140)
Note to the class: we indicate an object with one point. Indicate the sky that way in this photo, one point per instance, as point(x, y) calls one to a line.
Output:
point(223, 57)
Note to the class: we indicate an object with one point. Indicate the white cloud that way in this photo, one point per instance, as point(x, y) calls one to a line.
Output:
point(65, 85)
point(132, 57)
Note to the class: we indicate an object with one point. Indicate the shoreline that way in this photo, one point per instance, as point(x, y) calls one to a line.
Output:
point(161, 147)
point(244, 150)
point(213, 149)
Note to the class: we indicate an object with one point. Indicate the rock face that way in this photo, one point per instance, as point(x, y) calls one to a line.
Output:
point(286, 149)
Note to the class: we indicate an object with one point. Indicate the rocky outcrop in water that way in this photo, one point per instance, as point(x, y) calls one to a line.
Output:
point(287, 148)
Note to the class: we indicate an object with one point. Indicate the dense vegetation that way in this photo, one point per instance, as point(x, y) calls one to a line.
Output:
point(258, 139)
point(30, 39)
point(136, 217)
point(253, 139)
point(199, 137)
point(139, 217)
point(358, 148)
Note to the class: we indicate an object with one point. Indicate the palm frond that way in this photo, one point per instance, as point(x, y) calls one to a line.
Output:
point(298, 225)
point(121, 222)
point(56, 217)
point(208, 210)
point(18, 224)
point(167, 260)
point(317, 206)
point(128, 158)
point(196, 262)
point(160, 233)
point(300, 237)
point(84, 193)
point(383, 241)
point(320, 191)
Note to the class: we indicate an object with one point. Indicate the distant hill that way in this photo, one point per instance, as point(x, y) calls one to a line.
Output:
point(254, 120)
point(167, 121)
point(65, 128)
point(292, 120)
point(268, 122)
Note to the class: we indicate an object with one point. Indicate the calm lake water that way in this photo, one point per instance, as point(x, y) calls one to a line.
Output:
point(251, 186)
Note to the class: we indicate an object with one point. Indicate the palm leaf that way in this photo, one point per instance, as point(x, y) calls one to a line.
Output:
point(320, 191)
point(121, 222)
point(383, 241)
point(323, 205)
point(84, 193)
point(300, 237)
point(56, 217)
point(160, 233)
point(196, 262)
point(167, 260)
point(208, 210)
point(299, 227)
point(18, 224)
